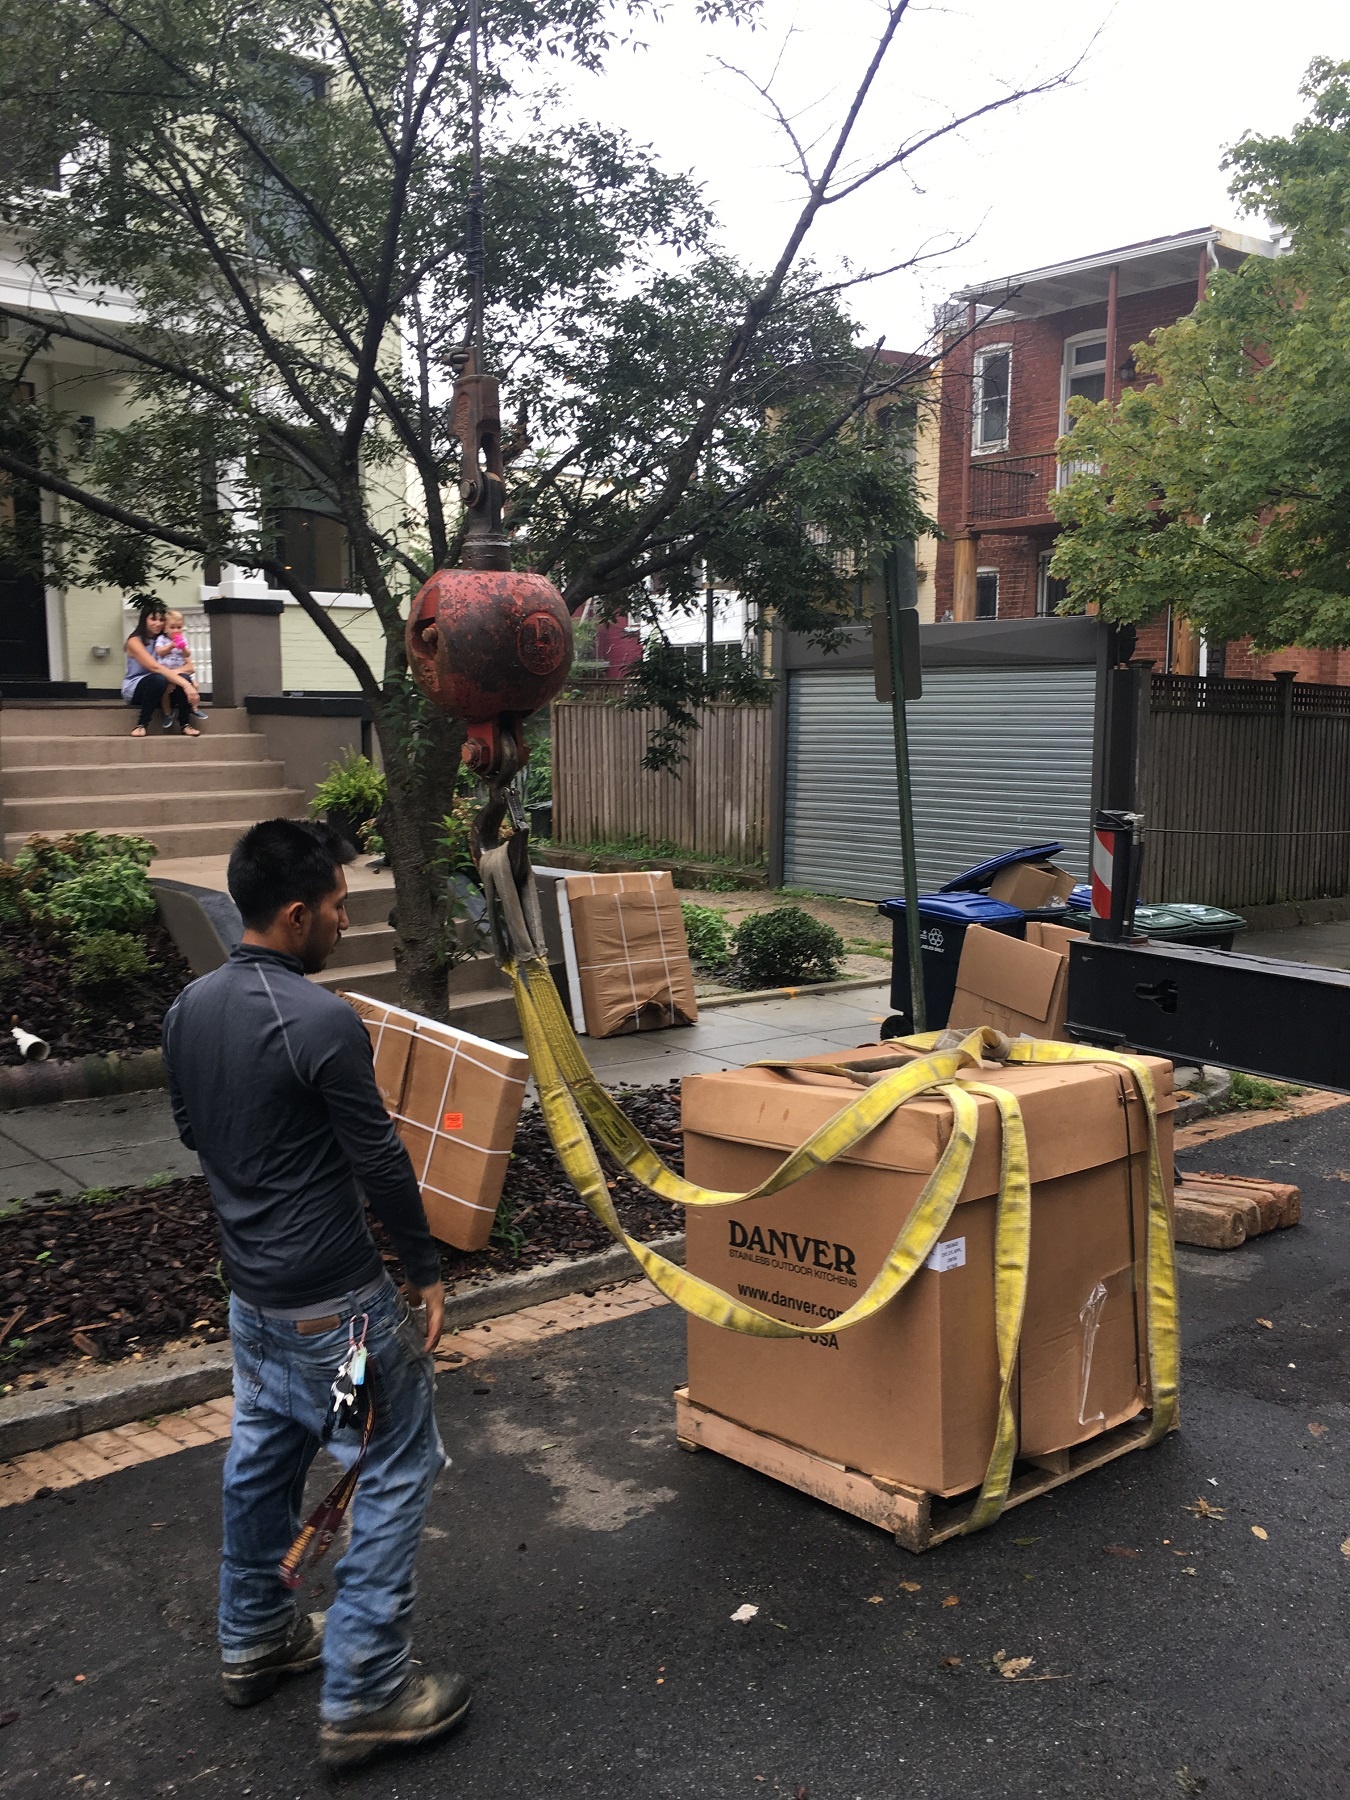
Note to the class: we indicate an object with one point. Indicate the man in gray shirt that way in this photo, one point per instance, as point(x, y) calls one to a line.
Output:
point(273, 1086)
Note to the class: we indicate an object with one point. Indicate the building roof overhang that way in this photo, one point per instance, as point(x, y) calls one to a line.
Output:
point(1141, 268)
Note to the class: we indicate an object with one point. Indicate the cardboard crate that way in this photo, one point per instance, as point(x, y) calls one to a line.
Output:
point(911, 1395)
point(455, 1100)
point(1017, 986)
point(627, 956)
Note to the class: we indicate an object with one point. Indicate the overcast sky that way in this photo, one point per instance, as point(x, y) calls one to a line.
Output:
point(1130, 150)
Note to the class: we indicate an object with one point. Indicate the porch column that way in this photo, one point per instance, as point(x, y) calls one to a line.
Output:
point(963, 577)
point(236, 581)
point(245, 647)
point(1112, 294)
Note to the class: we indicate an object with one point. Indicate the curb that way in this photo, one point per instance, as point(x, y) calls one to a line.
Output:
point(795, 993)
point(85, 1078)
point(1214, 1088)
point(39, 1418)
point(1285, 915)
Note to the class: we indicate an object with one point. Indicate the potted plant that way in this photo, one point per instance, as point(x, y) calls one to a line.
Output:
point(349, 799)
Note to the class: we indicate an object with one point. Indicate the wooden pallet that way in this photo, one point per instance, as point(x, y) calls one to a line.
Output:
point(917, 1520)
point(1220, 1212)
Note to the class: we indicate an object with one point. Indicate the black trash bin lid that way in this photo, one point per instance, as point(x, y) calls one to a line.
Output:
point(974, 881)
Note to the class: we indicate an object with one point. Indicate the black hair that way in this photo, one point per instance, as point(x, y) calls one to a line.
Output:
point(149, 607)
point(280, 861)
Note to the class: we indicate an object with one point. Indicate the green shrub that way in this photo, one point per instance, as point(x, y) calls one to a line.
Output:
point(73, 885)
point(786, 948)
point(709, 939)
point(113, 896)
point(353, 787)
point(106, 959)
point(10, 910)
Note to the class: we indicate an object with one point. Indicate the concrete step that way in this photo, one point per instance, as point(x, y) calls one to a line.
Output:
point(487, 1012)
point(362, 946)
point(370, 904)
point(63, 779)
point(376, 980)
point(149, 811)
point(30, 751)
point(215, 839)
point(93, 718)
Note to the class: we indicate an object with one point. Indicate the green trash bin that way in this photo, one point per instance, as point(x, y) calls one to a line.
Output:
point(1172, 921)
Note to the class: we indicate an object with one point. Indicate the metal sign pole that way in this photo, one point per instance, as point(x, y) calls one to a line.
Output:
point(901, 654)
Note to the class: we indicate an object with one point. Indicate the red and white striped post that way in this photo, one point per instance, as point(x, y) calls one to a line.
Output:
point(1117, 863)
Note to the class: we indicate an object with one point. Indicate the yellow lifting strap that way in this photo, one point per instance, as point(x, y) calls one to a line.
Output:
point(571, 1098)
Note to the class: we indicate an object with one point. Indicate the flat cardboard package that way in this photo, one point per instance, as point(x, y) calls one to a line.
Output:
point(628, 963)
point(455, 1100)
point(1015, 986)
point(912, 1393)
point(1030, 884)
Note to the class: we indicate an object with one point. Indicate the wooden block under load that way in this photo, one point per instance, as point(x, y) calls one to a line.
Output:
point(1208, 1224)
point(1284, 1194)
point(1220, 1212)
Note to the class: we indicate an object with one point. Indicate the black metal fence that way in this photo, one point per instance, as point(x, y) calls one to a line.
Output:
point(1245, 790)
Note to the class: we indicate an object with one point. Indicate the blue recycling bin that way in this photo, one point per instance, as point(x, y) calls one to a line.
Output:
point(944, 919)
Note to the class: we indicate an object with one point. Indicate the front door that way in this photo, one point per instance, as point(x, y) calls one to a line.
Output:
point(23, 594)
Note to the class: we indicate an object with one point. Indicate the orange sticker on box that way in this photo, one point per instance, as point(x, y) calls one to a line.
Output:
point(453, 1122)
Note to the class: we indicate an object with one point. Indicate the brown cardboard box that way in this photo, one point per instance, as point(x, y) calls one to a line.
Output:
point(1031, 884)
point(912, 1393)
point(632, 960)
point(455, 1100)
point(1009, 984)
point(1014, 986)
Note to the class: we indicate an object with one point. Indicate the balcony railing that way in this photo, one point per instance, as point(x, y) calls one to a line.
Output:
point(1013, 487)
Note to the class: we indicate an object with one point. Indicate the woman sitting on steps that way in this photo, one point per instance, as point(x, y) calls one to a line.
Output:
point(147, 682)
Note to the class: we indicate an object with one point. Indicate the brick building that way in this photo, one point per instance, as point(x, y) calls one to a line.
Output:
point(1020, 348)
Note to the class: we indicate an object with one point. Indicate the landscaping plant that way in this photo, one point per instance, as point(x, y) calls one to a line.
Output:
point(350, 797)
point(785, 948)
point(709, 939)
point(70, 886)
point(84, 961)
point(107, 959)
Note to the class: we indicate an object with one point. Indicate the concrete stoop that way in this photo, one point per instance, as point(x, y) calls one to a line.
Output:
point(76, 767)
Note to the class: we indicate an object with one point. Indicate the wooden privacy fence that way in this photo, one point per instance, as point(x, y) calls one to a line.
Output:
point(717, 805)
point(1245, 790)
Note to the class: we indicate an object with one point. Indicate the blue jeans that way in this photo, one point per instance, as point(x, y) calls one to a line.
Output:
point(281, 1395)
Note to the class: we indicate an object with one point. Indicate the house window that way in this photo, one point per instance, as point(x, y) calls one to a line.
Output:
point(993, 375)
point(986, 593)
point(1051, 590)
point(1084, 372)
point(313, 546)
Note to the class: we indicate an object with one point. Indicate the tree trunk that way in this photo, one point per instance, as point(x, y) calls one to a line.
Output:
point(421, 759)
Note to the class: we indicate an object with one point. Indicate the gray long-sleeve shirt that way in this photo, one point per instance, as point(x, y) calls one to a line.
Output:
point(273, 1086)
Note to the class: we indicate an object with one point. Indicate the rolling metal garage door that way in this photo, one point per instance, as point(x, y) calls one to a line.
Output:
point(1000, 757)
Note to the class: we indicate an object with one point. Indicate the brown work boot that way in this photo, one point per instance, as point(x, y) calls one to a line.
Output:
point(248, 1682)
point(424, 1707)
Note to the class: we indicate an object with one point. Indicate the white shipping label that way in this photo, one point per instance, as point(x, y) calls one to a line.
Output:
point(950, 1254)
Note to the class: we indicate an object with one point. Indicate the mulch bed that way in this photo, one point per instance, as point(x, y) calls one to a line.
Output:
point(35, 992)
point(137, 1267)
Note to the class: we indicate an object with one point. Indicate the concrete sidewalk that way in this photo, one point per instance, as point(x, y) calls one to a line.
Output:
point(1325, 944)
point(52, 1150)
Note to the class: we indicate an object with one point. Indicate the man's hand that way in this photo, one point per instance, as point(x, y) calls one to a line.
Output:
point(433, 1299)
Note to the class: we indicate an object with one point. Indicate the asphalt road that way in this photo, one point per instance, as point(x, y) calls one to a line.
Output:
point(583, 1571)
